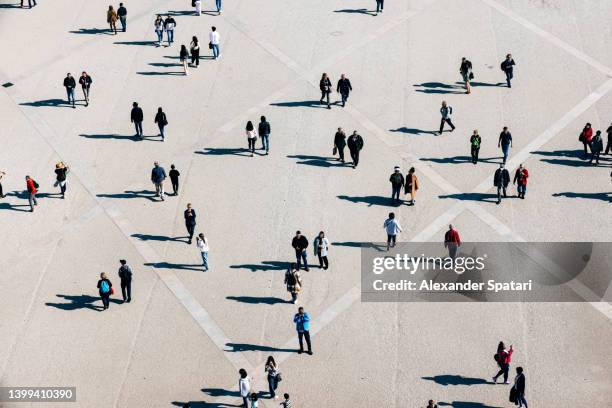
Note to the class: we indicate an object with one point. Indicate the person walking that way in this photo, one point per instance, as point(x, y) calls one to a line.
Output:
point(321, 247)
point(446, 112)
point(452, 241)
point(503, 357)
point(253, 398)
point(190, 221)
point(251, 136)
point(293, 282)
point(213, 41)
point(501, 179)
point(125, 274)
point(475, 142)
point(32, 188)
point(198, 7)
point(174, 179)
point(202, 244)
point(355, 144)
point(609, 144)
point(325, 86)
point(85, 81)
point(158, 175)
point(339, 144)
point(505, 142)
point(300, 243)
point(194, 48)
point(169, 26)
point(586, 137)
point(344, 88)
point(70, 84)
point(412, 185)
point(162, 121)
point(29, 3)
point(111, 19)
point(264, 132)
point(519, 388)
point(520, 179)
point(393, 227)
point(61, 170)
point(302, 325)
point(137, 116)
point(596, 147)
point(379, 6)
point(2, 174)
point(397, 182)
point(105, 289)
point(431, 404)
point(286, 402)
point(507, 66)
point(466, 73)
point(158, 25)
point(273, 371)
point(244, 385)
point(219, 8)
point(122, 14)
point(183, 55)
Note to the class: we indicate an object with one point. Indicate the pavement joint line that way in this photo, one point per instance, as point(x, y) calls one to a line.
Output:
point(549, 37)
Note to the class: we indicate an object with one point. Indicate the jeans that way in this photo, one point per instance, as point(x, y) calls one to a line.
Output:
point(301, 256)
point(105, 299)
point(521, 190)
point(341, 153)
point(195, 58)
point(391, 241)
point(272, 385)
point(86, 93)
point(62, 186)
point(505, 150)
point(585, 144)
point(379, 5)
point(500, 189)
point(123, 21)
point(190, 230)
point(170, 34)
point(245, 401)
point(251, 144)
point(215, 49)
point(447, 120)
point(509, 77)
point(138, 126)
point(218, 4)
point(344, 98)
point(32, 200)
point(595, 155)
point(304, 334)
point(520, 398)
point(126, 289)
point(355, 157)
point(29, 3)
point(265, 142)
point(503, 369)
point(161, 130)
point(323, 261)
point(175, 186)
point(325, 94)
point(160, 36)
point(294, 296)
point(205, 259)
point(395, 193)
point(474, 152)
point(70, 93)
point(159, 189)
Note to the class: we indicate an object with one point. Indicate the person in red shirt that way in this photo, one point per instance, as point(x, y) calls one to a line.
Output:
point(503, 358)
point(586, 137)
point(520, 179)
point(31, 186)
point(452, 241)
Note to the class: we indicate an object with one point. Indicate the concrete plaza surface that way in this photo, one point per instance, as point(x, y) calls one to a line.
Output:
point(187, 332)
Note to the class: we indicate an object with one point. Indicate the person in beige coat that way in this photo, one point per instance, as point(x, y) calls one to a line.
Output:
point(412, 185)
point(111, 18)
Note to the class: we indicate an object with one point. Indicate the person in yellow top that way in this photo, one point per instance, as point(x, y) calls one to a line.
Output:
point(111, 18)
point(411, 185)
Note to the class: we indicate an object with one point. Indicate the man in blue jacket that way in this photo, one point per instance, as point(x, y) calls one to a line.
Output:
point(302, 325)
point(158, 175)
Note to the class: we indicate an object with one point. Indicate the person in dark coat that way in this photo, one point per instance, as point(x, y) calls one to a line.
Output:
point(300, 243)
point(125, 274)
point(397, 182)
point(596, 147)
point(475, 141)
point(104, 289)
point(137, 117)
point(507, 66)
point(344, 88)
point(340, 143)
point(325, 86)
point(264, 131)
point(355, 144)
point(609, 144)
point(501, 179)
point(519, 388)
point(70, 84)
point(122, 14)
point(174, 178)
point(85, 81)
point(190, 221)
point(505, 142)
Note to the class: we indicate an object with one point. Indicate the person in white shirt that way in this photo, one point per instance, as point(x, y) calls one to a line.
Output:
point(244, 384)
point(198, 7)
point(393, 228)
point(213, 41)
point(202, 244)
point(321, 246)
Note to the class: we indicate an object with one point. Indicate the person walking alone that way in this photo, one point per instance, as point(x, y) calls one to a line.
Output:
point(344, 88)
point(520, 179)
point(202, 244)
point(302, 325)
point(137, 116)
point(379, 6)
point(85, 81)
point(325, 86)
point(466, 73)
point(105, 289)
point(169, 26)
point(355, 144)
point(251, 135)
point(393, 227)
point(111, 19)
point(339, 144)
point(219, 6)
point(198, 7)
point(158, 25)
point(32, 188)
point(61, 170)
point(158, 175)
point(596, 147)
point(505, 142)
point(412, 185)
point(586, 137)
point(162, 121)
point(174, 179)
point(321, 247)
point(183, 55)
point(264, 132)
point(190, 221)
point(29, 3)
point(70, 84)
point(609, 144)
point(194, 48)
point(397, 182)
point(507, 66)
point(452, 241)
point(213, 42)
point(2, 174)
point(446, 112)
point(122, 14)
point(273, 371)
point(503, 358)
point(125, 274)
point(519, 388)
point(244, 385)
point(293, 282)
point(501, 179)
point(475, 142)
point(300, 243)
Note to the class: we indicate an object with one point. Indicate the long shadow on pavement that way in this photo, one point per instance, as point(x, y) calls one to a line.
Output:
point(590, 196)
point(202, 404)
point(80, 302)
point(167, 265)
point(220, 392)
point(257, 300)
point(14, 207)
point(296, 104)
point(264, 266)
point(461, 159)
point(221, 151)
point(564, 157)
point(369, 200)
point(465, 404)
point(357, 11)
point(58, 103)
point(240, 347)
point(133, 138)
point(318, 161)
point(449, 379)
point(153, 73)
point(414, 131)
point(379, 248)
point(135, 42)
point(149, 195)
point(489, 198)
point(147, 237)
point(438, 88)
point(92, 31)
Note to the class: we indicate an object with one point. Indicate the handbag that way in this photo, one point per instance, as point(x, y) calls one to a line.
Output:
point(334, 151)
point(112, 291)
point(279, 377)
point(210, 45)
point(471, 76)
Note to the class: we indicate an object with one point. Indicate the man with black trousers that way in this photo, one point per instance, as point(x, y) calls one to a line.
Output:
point(397, 182)
point(125, 274)
point(174, 178)
point(340, 143)
point(507, 66)
point(355, 144)
point(505, 142)
point(609, 144)
point(501, 179)
point(85, 81)
point(122, 13)
point(137, 117)
point(264, 132)
point(70, 84)
point(519, 388)
point(302, 326)
point(344, 88)
point(300, 243)
point(190, 221)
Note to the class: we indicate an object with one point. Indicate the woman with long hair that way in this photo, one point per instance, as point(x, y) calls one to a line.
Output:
point(251, 137)
point(194, 47)
point(273, 375)
point(183, 57)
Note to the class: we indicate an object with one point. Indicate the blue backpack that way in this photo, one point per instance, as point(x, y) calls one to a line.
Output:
point(104, 287)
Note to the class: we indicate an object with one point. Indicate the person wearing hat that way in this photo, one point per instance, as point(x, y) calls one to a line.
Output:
point(412, 185)
point(61, 170)
point(397, 182)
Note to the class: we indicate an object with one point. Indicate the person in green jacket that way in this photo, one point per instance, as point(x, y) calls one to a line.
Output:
point(475, 141)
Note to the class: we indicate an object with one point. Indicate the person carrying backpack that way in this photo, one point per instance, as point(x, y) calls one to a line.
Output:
point(503, 358)
point(32, 187)
point(294, 282)
point(105, 288)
